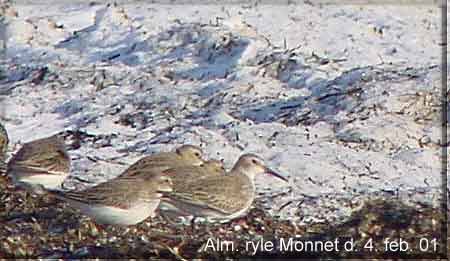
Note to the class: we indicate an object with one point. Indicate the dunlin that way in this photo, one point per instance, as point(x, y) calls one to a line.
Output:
point(222, 197)
point(40, 162)
point(120, 201)
point(183, 156)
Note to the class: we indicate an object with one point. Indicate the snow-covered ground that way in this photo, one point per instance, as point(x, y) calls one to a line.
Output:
point(342, 99)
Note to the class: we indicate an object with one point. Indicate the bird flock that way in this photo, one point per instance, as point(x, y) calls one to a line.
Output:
point(179, 183)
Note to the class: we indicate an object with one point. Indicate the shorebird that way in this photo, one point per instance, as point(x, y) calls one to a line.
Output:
point(42, 162)
point(120, 201)
point(4, 141)
point(223, 197)
point(185, 155)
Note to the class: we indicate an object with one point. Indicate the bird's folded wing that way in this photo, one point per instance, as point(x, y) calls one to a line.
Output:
point(219, 193)
point(149, 164)
point(122, 193)
point(31, 169)
point(182, 174)
point(185, 199)
point(56, 159)
point(40, 147)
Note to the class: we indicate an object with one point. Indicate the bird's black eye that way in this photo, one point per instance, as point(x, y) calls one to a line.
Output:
point(197, 154)
point(254, 161)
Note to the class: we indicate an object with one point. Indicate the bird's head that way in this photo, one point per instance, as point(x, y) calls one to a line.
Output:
point(252, 165)
point(214, 165)
point(191, 153)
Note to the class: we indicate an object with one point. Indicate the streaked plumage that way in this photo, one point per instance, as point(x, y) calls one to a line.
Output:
point(214, 167)
point(40, 162)
point(185, 155)
point(120, 201)
point(183, 175)
point(220, 196)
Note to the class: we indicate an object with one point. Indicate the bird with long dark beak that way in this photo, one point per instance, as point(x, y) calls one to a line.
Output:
point(222, 197)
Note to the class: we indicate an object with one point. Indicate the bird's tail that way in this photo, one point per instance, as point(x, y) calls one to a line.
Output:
point(37, 189)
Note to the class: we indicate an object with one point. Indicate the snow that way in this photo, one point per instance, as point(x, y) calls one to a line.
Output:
point(344, 100)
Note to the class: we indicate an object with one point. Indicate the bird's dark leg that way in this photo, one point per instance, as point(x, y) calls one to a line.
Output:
point(167, 218)
point(193, 224)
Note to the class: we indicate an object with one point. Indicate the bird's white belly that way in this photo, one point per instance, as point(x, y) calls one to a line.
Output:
point(118, 216)
point(48, 181)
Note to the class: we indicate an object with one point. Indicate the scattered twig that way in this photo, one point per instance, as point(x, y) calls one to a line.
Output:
point(348, 92)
